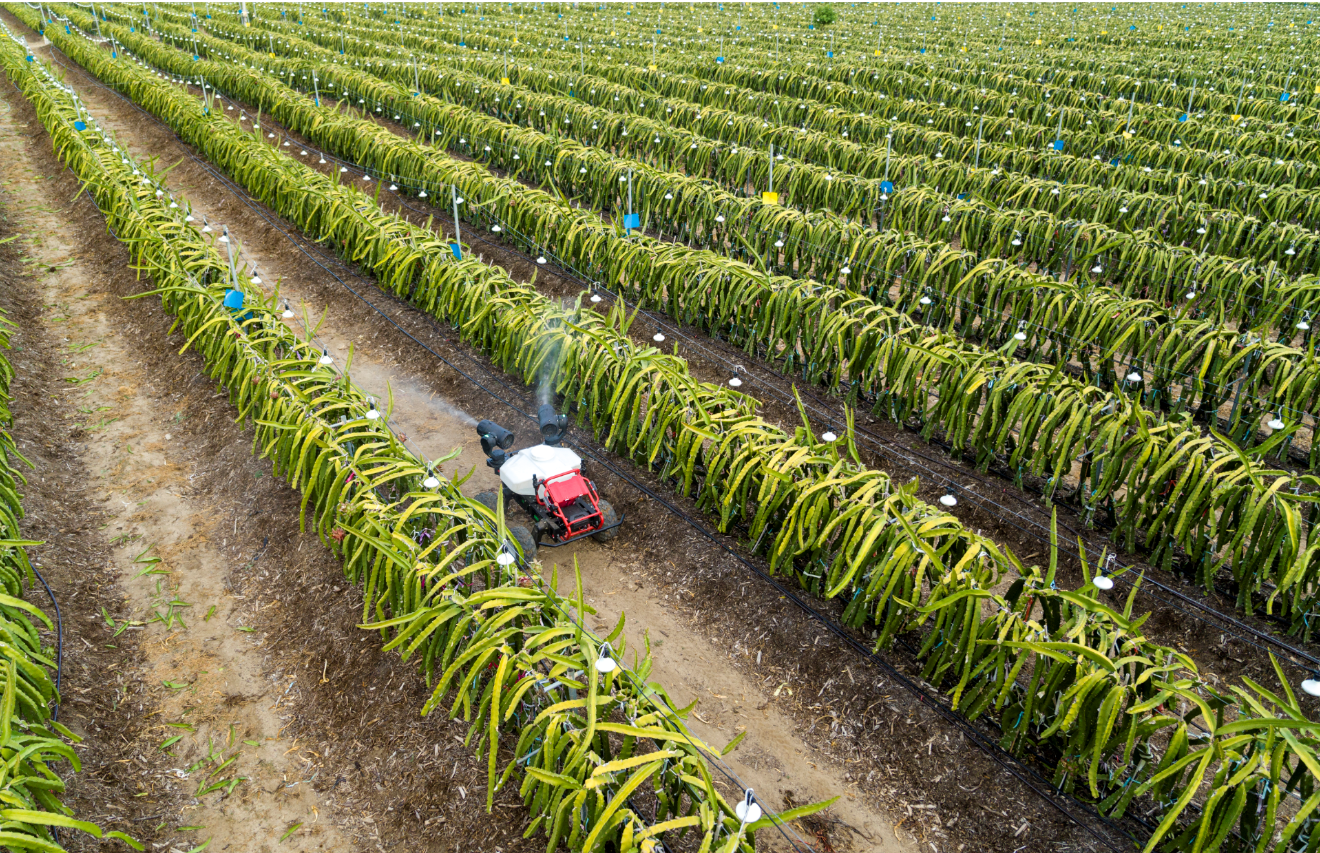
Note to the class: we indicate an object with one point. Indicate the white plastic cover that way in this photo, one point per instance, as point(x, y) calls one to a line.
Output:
point(542, 461)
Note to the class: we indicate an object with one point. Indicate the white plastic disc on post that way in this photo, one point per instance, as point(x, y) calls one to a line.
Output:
point(1311, 685)
point(747, 810)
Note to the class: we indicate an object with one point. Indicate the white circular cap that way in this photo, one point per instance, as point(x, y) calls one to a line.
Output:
point(1097, 269)
point(779, 244)
point(669, 196)
point(458, 200)
point(1134, 377)
point(948, 500)
point(1102, 582)
point(735, 382)
point(606, 664)
point(422, 194)
point(1016, 241)
point(1191, 294)
point(393, 187)
point(223, 239)
point(946, 218)
point(884, 197)
point(207, 229)
point(304, 153)
point(1291, 251)
point(719, 218)
point(1276, 424)
point(1200, 230)
point(256, 279)
point(747, 812)
point(925, 300)
point(288, 315)
point(1311, 686)
point(343, 168)
point(326, 359)
point(373, 415)
point(595, 297)
point(1019, 336)
point(430, 482)
point(540, 259)
point(322, 160)
point(505, 558)
point(828, 437)
point(846, 270)
point(189, 218)
point(1303, 325)
point(366, 177)
point(658, 337)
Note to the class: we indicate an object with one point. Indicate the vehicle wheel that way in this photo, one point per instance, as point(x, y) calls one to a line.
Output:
point(488, 498)
point(608, 516)
point(526, 542)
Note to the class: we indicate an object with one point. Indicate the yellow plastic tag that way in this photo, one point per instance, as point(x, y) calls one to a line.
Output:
point(504, 80)
point(770, 198)
point(1235, 119)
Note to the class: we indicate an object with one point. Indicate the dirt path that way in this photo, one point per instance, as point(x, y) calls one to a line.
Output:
point(722, 637)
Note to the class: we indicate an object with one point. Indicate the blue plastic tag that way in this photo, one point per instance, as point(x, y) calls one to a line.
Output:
point(886, 187)
point(457, 250)
point(1058, 145)
point(1283, 97)
point(80, 125)
point(1182, 117)
point(830, 54)
point(632, 221)
point(719, 59)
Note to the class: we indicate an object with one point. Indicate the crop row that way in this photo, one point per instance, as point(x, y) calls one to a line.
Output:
point(1178, 213)
point(1240, 183)
point(1141, 266)
point(1195, 363)
point(504, 649)
point(1123, 694)
point(870, 116)
point(1165, 484)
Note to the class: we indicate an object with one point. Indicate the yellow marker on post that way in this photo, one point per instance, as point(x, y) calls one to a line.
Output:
point(770, 198)
point(504, 80)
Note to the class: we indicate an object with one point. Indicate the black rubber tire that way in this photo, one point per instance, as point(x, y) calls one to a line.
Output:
point(608, 516)
point(526, 542)
point(488, 499)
